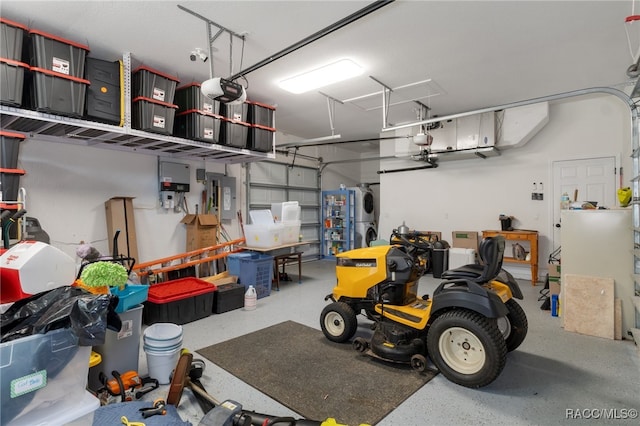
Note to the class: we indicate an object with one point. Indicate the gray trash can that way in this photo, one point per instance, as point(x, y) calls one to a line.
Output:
point(439, 258)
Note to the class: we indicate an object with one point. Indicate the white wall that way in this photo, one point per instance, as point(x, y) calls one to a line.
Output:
point(67, 186)
point(469, 195)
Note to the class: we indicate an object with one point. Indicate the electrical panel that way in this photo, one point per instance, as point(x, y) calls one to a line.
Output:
point(174, 176)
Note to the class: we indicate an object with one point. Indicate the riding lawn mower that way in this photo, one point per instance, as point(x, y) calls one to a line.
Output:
point(466, 328)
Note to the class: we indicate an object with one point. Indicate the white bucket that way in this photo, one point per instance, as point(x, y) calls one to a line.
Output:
point(161, 364)
point(250, 299)
point(161, 348)
point(163, 334)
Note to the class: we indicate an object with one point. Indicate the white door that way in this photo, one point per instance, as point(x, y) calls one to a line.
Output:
point(592, 179)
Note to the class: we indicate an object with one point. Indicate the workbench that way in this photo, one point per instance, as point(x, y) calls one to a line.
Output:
point(521, 235)
point(283, 255)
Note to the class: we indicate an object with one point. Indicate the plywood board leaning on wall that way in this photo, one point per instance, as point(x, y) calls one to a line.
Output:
point(589, 305)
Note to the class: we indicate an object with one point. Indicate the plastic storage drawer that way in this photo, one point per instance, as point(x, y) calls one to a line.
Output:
point(104, 95)
point(261, 138)
point(179, 301)
point(12, 81)
point(234, 133)
point(53, 53)
point(190, 97)
point(41, 372)
point(261, 114)
point(154, 84)
point(153, 116)
point(228, 297)
point(57, 93)
point(198, 125)
point(11, 39)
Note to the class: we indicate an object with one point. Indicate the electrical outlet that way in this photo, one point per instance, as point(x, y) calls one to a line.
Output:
point(534, 196)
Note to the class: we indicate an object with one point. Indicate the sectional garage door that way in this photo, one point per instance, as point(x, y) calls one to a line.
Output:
point(270, 182)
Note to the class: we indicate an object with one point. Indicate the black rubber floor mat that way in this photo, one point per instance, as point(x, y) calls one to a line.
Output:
point(298, 367)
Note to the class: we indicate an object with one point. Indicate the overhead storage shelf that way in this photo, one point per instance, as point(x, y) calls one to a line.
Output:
point(88, 133)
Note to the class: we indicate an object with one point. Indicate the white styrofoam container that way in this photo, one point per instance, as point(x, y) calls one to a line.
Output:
point(461, 256)
point(263, 236)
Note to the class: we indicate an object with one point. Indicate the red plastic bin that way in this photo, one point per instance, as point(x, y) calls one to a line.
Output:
point(179, 301)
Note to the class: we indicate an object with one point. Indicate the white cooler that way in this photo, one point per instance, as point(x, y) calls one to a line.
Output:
point(461, 256)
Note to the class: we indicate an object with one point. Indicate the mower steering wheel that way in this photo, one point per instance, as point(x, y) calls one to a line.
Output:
point(418, 242)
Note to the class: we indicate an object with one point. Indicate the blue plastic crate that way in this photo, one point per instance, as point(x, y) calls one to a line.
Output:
point(257, 270)
point(233, 262)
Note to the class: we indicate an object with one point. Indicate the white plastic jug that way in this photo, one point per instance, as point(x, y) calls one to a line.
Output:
point(250, 299)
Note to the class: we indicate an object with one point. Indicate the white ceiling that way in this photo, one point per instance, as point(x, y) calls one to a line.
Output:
point(466, 55)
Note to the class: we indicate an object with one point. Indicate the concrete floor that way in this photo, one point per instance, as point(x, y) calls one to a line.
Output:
point(554, 377)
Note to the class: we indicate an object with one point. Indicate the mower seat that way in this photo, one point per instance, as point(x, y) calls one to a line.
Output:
point(491, 251)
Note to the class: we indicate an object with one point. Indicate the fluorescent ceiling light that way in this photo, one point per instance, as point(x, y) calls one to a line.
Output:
point(323, 76)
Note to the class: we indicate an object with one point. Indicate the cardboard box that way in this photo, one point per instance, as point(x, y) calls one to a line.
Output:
point(554, 271)
point(202, 230)
point(120, 217)
point(465, 239)
point(554, 287)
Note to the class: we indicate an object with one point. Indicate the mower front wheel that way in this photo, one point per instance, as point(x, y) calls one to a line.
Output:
point(467, 348)
point(338, 322)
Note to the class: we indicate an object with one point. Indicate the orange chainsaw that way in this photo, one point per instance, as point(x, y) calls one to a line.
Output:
point(128, 386)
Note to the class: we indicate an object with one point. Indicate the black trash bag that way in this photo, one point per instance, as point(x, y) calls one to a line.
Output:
point(88, 315)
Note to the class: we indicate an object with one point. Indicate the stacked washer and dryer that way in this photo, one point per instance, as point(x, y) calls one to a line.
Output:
point(365, 219)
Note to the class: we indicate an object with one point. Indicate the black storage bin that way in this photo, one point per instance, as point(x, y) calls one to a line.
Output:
point(57, 93)
point(104, 95)
point(10, 149)
point(234, 133)
point(228, 297)
point(153, 116)
point(439, 258)
point(53, 53)
point(10, 184)
point(261, 138)
point(12, 81)
point(198, 125)
point(261, 114)
point(154, 84)
point(11, 39)
point(190, 97)
point(236, 112)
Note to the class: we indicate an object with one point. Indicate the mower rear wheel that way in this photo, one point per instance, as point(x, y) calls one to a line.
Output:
point(514, 326)
point(338, 322)
point(467, 348)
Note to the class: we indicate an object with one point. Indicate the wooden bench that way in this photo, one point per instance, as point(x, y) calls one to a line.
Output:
point(283, 260)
